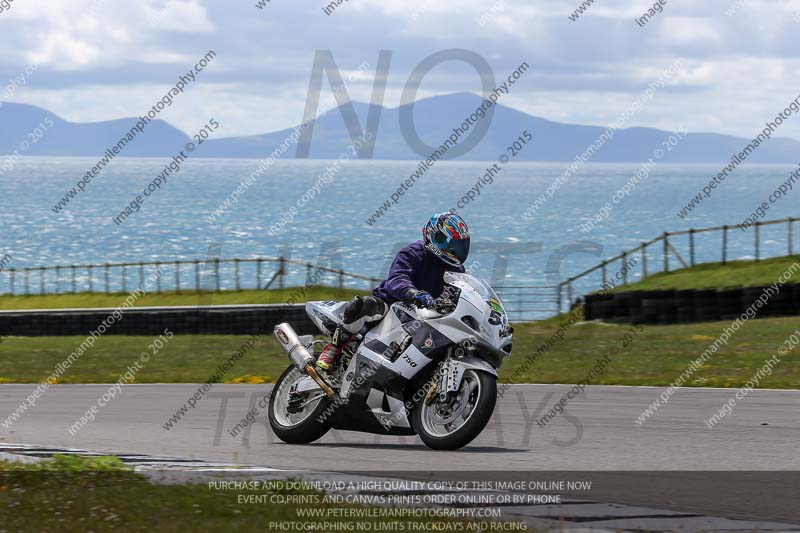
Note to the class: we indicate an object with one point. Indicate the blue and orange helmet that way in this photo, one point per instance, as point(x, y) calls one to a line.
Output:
point(447, 237)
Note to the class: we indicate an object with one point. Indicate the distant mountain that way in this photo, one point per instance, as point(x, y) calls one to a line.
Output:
point(434, 120)
point(64, 138)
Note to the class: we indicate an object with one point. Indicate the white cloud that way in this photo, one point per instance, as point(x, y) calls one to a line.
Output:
point(185, 16)
point(689, 31)
point(62, 51)
point(79, 35)
point(107, 61)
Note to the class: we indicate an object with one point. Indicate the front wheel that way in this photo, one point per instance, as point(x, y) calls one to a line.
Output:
point(454, 422)
point(297, 418)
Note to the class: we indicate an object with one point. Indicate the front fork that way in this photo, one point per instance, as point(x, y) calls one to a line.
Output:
point(450, 374)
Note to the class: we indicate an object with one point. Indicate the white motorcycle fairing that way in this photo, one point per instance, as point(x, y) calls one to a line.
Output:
point(393, 354)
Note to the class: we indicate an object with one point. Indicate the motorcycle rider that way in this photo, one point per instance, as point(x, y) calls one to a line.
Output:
point(415, 277)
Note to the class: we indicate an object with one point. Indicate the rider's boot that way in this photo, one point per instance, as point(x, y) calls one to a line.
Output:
point(332, 352)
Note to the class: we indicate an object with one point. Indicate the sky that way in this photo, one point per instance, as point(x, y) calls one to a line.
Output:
point(104, 59)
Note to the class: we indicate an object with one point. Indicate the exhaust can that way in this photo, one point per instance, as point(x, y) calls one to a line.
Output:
point(290, 342)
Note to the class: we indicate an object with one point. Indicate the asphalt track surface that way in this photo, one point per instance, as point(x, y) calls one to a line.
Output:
point(598, 433)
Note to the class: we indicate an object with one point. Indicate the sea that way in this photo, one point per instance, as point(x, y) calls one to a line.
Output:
point(324, 212)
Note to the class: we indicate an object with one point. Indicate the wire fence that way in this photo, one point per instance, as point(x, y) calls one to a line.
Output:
point(524, 303)
point(699, 245)
point(176, 276)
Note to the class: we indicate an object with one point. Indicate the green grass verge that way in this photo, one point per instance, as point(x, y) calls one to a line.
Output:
point(655, 357)
point(89, 300)
point(719, 276)
point(101, 494)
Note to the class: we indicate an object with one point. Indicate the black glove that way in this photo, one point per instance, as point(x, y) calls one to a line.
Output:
point(421, 299)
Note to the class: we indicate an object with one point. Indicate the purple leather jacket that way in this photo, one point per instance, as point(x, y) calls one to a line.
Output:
point(414, 267)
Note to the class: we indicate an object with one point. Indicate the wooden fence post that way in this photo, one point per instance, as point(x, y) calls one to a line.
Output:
point(724, 244)
point(569, 294)
point(558, 297)
point(236, 271)
point(758, 241)
point(624, 267)
point(644, 260)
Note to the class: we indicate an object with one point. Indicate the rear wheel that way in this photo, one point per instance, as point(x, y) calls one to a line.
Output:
point(454, 422)
point(295, 418)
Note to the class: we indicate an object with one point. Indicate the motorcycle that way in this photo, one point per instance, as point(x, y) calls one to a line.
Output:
point(427, 372)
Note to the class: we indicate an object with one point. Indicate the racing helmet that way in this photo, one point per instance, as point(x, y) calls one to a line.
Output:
point(447, 237)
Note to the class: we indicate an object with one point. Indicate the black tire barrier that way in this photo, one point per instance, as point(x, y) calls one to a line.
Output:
point(667, 312)
point(691, 305)
point(622, 306)
point(605, 307)
point(654, 304)
point(781, 304)
point(649, 311)
point(729, 302)
point(590, 307)
point(685, 306)
point(686, 315)
point(705, 303)
point(636, 313)
point(749, 297)
point(206, 320)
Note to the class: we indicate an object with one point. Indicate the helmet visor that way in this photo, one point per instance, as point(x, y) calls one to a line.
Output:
point(457, 249)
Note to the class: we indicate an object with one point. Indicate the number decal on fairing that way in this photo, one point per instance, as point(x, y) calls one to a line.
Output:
point(411, 362)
